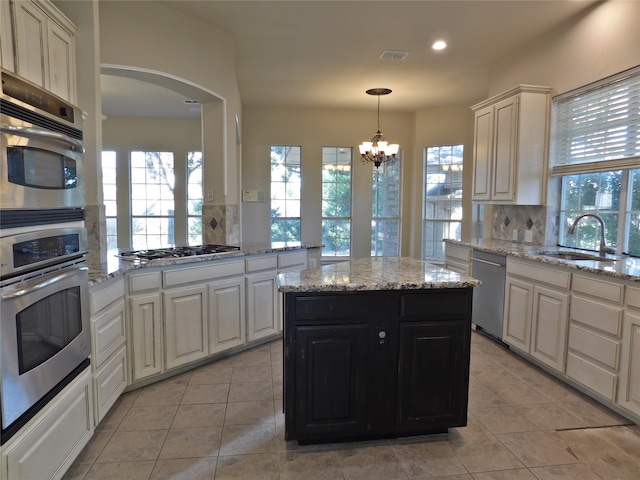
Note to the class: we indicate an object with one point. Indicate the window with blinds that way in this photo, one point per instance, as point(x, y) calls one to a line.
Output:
point(598, 126)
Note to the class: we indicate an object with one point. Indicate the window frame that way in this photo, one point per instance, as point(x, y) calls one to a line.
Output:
point(380, 205)
point(194, 218)
point(456, 167)
point(169, 241)
point(111, 220)
point(613, 116)
point(294, 221)
point(337, 220)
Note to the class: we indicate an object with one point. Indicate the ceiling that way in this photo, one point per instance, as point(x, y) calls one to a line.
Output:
point(325, 54)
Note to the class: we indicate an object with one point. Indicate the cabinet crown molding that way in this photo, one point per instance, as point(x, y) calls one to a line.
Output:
point(509, 93)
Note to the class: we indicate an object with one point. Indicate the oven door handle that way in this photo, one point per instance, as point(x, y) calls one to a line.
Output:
point(75, 145)
point(41, 283)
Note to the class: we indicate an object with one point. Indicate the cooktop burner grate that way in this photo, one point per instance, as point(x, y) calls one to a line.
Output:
point(178, 252)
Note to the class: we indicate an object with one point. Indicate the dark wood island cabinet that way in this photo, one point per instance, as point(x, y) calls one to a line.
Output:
point(375, 348)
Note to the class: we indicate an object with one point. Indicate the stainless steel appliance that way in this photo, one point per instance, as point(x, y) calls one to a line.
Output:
point(41, 162)
point(44, 326)
point(488, 299)
point(45, 340)
point(178, 252)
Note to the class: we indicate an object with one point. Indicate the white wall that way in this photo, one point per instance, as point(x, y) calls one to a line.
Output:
point(151, 36)
point(599, 42)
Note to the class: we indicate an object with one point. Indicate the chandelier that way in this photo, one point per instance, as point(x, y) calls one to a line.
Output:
point(378, 149)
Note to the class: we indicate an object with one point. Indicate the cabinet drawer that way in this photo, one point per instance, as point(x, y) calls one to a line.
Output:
point(435, 304)
point(102, 297)
point(633, 297)
point(208, 271)
point(598, 288)
point(144, 281)
point(108, 333)
point(598, 347)
point(540, 274)
point(109, 382)
point(286, 260)
point(332, 307)
point(592, 376)
point(598, 315)
point(261, 263)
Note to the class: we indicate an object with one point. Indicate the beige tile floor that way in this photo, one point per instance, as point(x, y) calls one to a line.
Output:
point(224, 421)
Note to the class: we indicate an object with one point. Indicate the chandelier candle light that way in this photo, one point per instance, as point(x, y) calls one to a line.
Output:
point(378, 149)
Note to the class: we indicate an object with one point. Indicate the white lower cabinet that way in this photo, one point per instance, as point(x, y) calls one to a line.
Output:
point(629, 386)
point(47, 446)
point(262, 305)
point(146, 341)
point(182, 314)
point(109, 381)
point(227, 327)
point(516, 330)
point(594, 343)
point(108, 345)
point(536, 311)
point(185, 325)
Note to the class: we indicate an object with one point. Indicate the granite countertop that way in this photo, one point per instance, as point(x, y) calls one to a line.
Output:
point(376, 273)
point(624, 266)
point(116, 266)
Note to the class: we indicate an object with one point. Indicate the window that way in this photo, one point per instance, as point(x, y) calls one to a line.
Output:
point(109, 193)
point(152, 202)
point(336, 201)
point(614, 196)
point(385, 215)
point(442, 198)
point(596, 148)
point(194, 198)
point(598, 123)
point(286, 188)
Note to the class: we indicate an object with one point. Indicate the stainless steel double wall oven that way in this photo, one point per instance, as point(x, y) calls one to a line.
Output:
point(44, 324)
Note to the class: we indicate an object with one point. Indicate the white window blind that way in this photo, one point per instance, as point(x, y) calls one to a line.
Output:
point(598, 123)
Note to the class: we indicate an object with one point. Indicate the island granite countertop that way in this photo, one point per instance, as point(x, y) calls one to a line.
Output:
point(624, 266)
point(376, 273)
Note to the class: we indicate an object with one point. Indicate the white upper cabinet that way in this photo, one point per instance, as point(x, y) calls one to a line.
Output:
point(510, 152)
point(44, 46)
point(6, 38)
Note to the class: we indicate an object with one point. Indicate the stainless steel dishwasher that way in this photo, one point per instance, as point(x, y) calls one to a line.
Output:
point(488, 299)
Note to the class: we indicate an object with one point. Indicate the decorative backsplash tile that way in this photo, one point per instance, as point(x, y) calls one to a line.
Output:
point(221, 224)
point(541, 220)
point(96, 224)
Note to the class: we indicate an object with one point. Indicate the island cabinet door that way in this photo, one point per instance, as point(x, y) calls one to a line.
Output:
point(330, 381)
point(433, 376)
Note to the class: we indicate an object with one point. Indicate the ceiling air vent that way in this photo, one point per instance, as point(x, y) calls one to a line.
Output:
point(394, 55)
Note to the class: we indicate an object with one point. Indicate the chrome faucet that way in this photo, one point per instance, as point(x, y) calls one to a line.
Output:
point(603, 247)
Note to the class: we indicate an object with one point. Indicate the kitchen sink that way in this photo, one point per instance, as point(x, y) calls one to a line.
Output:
point(575, 256)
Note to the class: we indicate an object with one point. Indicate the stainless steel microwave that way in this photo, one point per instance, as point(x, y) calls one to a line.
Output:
point(42, 157)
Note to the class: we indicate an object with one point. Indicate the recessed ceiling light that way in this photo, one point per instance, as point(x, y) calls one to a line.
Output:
point(439, 45)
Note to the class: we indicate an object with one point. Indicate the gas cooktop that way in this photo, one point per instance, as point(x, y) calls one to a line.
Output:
point(178, 252)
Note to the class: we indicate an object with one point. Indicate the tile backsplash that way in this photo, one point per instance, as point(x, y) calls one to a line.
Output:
point(540, 220)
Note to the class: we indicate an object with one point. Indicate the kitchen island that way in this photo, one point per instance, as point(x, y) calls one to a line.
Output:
point(375, 348)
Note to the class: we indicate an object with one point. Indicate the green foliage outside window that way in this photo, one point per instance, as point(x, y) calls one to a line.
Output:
point(336, 201)
point(602, 193)
point(286, 190)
